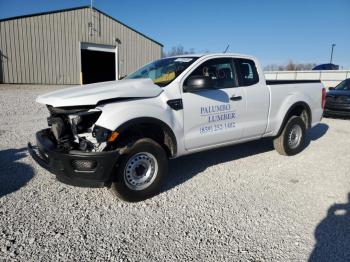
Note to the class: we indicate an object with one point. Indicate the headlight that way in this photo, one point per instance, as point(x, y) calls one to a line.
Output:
point(103, 134)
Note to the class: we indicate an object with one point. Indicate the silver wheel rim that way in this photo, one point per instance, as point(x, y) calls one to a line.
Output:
point(294, 136)
point(140, 171)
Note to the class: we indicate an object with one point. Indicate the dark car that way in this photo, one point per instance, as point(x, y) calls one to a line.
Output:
point(326, 67)
point(338, 100)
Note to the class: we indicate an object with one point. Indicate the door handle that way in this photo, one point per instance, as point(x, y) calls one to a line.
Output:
point(235, 98)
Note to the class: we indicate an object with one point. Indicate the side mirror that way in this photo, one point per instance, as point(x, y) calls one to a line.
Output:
point(197, 83)
point(331, 88)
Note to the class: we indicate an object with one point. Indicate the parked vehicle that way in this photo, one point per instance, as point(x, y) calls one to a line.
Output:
point(338, 100)
point(121, 134)
point(326, 67)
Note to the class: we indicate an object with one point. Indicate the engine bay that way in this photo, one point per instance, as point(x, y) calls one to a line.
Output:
point(74, 128)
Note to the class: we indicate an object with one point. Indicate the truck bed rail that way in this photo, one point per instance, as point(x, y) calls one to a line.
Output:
point(285, 82)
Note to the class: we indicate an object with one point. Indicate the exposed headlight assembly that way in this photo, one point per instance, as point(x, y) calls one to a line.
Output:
point(103, 134)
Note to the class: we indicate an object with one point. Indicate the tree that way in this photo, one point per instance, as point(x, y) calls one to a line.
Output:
point(178, 50)
point(290, 66)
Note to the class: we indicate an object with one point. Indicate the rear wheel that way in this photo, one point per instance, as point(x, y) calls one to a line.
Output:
point(141, 170)
point(292, 139)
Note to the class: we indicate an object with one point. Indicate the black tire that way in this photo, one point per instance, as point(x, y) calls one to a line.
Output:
point(149, 153)
point(283, 143)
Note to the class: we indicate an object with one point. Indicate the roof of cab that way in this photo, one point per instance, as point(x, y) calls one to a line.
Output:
point(214, 54)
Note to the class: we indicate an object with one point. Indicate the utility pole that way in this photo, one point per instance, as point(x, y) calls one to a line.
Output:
point(333, 45)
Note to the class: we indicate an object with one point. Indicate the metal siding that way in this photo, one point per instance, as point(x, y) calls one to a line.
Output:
point(45, 56)
point(123, 49)
point(39, 51)
point(44, 28)
point(46, 48)
point(64, 53)
point(2, 36)
point(61, 48)
point(14, 55)
point(1, 55)
point(26, 51)
point(103, 26)
point(30, 50)
point(50, 50)
point(10, 53)
point(13, 49)
point(3, 39)
point(5, 68)
point(54, 24)
point(76, 48)
point(20, 53)
point(79, 39)
point(70, 34)
point(47, 61)
point(35, 44)
point(85, 25)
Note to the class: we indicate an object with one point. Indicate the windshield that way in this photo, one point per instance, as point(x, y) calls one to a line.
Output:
point(163, 71)
point(344, 85)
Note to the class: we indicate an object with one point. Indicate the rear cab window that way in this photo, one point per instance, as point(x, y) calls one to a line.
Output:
point(247, 72)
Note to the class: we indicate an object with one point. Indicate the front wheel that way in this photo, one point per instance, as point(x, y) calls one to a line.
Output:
point(292, 139)
point(141, 170)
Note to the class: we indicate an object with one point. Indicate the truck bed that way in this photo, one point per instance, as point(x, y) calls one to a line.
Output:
point(282, 92)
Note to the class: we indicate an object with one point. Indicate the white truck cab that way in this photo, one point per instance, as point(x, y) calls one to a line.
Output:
point(122, 133)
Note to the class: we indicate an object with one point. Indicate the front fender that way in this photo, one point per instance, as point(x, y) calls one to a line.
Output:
point(116, 115)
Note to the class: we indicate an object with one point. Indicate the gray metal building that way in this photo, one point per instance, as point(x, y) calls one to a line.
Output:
point(71, 46)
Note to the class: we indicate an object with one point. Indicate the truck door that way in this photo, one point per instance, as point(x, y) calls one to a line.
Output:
point(258, 101)
point(215, 115)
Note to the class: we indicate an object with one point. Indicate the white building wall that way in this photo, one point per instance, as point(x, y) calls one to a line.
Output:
point(329, 78)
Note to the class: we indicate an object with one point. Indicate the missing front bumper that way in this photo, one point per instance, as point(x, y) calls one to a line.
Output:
point(92, 169)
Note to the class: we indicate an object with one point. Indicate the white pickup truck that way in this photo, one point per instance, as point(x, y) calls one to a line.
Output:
point(121, 134)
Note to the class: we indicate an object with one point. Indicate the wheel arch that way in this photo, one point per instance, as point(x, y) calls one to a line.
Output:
point(297, 109)
point(153, 128)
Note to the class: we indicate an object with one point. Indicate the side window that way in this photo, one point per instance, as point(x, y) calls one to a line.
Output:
point(248, 73)
point(220, 70)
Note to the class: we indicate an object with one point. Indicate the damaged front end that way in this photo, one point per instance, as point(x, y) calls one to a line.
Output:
point(73, 148)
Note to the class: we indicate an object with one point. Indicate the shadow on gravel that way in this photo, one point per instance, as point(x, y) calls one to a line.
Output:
point(13, 174)
point(316, 132)
point(184, 168)
point(333, 235)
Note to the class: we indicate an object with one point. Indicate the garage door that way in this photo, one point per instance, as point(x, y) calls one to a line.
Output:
point(98, 63)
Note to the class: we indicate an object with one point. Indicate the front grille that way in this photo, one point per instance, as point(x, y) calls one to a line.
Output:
point(84, 165)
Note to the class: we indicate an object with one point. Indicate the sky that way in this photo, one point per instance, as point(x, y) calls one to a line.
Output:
point(275, 31)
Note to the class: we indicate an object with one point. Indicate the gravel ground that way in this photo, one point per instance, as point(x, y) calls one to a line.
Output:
point(243, 202)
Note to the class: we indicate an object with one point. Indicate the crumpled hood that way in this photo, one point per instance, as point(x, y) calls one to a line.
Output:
point(93, 93)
